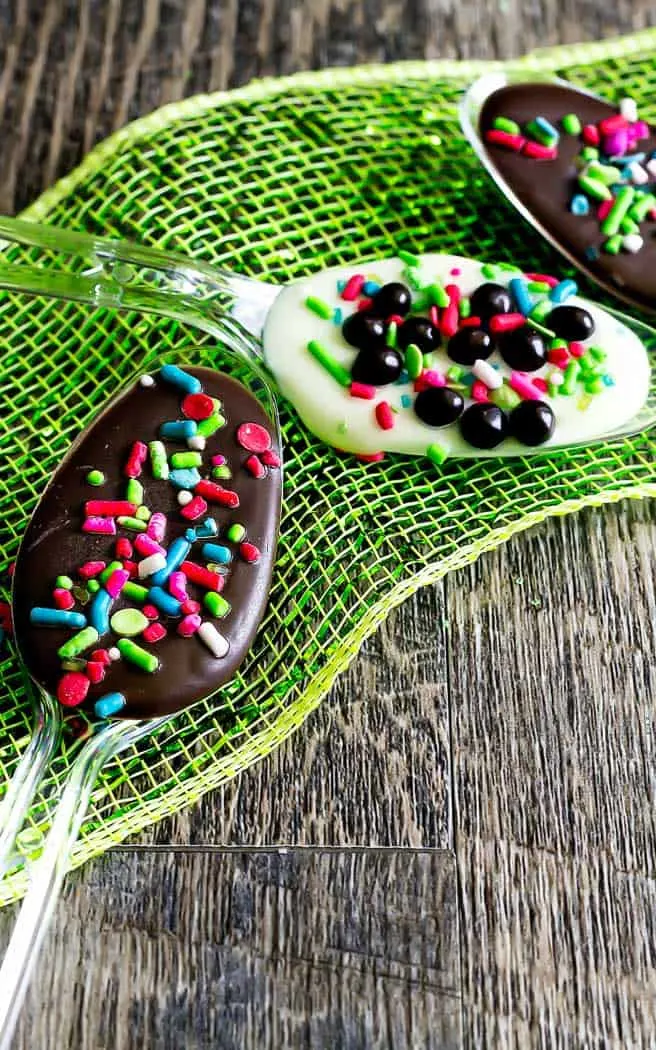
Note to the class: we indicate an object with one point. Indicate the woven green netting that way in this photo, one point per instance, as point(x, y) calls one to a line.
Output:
point(277, 180)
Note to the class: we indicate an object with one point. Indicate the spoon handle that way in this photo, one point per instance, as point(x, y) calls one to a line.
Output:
point(28, 776)
point(47, 873)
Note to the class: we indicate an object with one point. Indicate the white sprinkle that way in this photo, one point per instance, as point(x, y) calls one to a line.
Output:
point(633, 242)
point(184, 497)
point(213, 639)
point(638, 174)
point(153, 563)
point(484, 371)
point(651, 166)
point(557, 378)
point(114, 653)
point(147, 381)
point(629, 109)
point(197, 443)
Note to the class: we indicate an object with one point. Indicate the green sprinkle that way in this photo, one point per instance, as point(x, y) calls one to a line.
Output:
point(414, 362)
point(584, 402)
point(539, 286)
point(319, 307)
point(143, 514)
point(504, 124)
point(437, 454)
point(621, 205)
point(455, 373)
point(428, 361)
point(96, 477)
point(81, 595)
point(540, 134)
point(571, 124)
point(570, 379)
point(85, 638)
point(605, 173)
point(587, 364)
point(186, 459)
point(505, 398)
point(589, 153)
point(134, 654)
point(209, 426)
point(553, 388)
point(158, 460)
point(93, 586)
point(559, 344)
point(541, 310)
point(327, 361)
point(342, 426)
point(594, 385)
point(436, 295)
point(412, 277)
point(489, 271)
point(134, 492)
point(112, 567)
point(409, 258)
point(464, 307)
point(128, 622)
point(236, 532)
point(627, 225)
point(135, 592)
point(390, 338)
point(595, 188)
point(73, 665)
point(597, 353)
point(641, 207)
point(613, 245)
point(216, 604)
point(540, 328)
point(134, 524)
point(64, 582)
point(221, 472)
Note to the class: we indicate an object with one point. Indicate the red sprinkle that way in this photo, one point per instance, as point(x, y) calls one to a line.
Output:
point(72, 688)
point(100, 656)
point(218, 460)
point(479, 391)
point(370, 457)
point(217, 494)
point(90, 569)
point(249, 552)
point(544, 278)
point(591, 135)
point(610, 124)
point(62, 598)
point(558, 357)
point(604, 208)
point(365, 304)
point(384, 415)
point(506, 322)
point(197, 406)
point(95, 671)
point(541, 384)
point(150, 612)
point(211, 581)
point(503, 138)
point(470, 322)
point(109, 508)
point(123, 548)
point(539, 152)
point(396, 319)
point(450, 315)
point(576, 349)
point(270, 458)
point(255, 467)
point(253, 437)
point(189, 607)
point(131, 568)
point(136, 460)
point(154, 632)
point(363, 390)
point(189, 625)
point(429, 377)
point(194, 509)
point(353, 287)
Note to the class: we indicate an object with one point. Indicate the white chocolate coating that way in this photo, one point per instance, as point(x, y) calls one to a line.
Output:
point(349, 423)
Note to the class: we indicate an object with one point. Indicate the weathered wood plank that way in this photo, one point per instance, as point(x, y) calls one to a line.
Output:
point(220, 950)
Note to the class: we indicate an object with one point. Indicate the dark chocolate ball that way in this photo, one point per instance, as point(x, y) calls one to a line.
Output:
point(469, 345)
point(420, 331)
point(532, 422)
point(570, 322)
point(523, 349)
point(377, 367)
point(490, 299)
point(437, 406)
point(364, 331)
point(392, 298)
point(483, 425)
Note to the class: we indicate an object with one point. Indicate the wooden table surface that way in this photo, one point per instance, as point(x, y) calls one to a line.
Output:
point(452, 731)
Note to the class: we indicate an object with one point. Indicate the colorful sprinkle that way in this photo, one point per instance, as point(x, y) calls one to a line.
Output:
point(180, 379)
point(128, 622)
point(109, 704)
point(134, 654)
point(95, 477)
point(215, 642)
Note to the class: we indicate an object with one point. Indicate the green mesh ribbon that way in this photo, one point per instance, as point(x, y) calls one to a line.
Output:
point(277, 180)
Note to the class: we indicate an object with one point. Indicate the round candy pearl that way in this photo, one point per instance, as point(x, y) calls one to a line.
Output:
point(438, 406)
point(483, 425)
point(363, 331)
point(392, 298)
point(490, 299)
point(523, 349)
point(420, 331)
point(571, 322)
point(532, 422)
point(469, 345)
point(377, 368)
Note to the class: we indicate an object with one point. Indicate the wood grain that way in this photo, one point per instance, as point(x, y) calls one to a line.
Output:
point(507, 712)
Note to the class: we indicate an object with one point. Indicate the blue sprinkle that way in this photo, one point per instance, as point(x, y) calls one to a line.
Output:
point(579, 205)
point(217, 552)
point(591, 252)
point(370, 287)
point(190, 535)
point(99, 611)
point(563, 291)
point(632, 158)
point(109, 704)
point(548, 128)
point(519, 291)
point(341, 285)
point(406, 400)
point(608, 380)
point(182, 380)
point(166, 603)
point(184, 478)
point(337, 316)
point(468, 379)
point(178, 429)
point(175, 556)
point(208, 528)
point(42, 617)
point(403, 378)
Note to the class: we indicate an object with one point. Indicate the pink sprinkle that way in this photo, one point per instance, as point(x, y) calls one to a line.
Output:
point(100, 526)
point(617, 143)
point(640, 129)
point(91, 568)
point(506, 322)
point(178, 586)
point(370, 457)
point(652, 213)
point(539, 152)
point(117, 582)
point(253, 437)
point(429, 377)
point(156, 527)
point(249, 552)
point(544, 278)
point(154, 632)
point(541, 384)
point(434, 315)
point(384, 415)
point(576, 349)
point(455, 272)
point(479, 391)
point(95, 671)
point(363, 390)
point(396, 319)
point(194, 509)
point(604, 208)
point(188, 625)
point(146, 545)
point(270, 458)
point(150, 612)
point(353, 287)
point(503, 138)
point(590, 135)
point(218, 460)
point(255, 467)
point(136, 460)
point(524, 387)
point(365, 304)
point(63, 599)
point(470, 322)
point(450, 316)
point(610, 124)
point(123, 548)
point(189, 607)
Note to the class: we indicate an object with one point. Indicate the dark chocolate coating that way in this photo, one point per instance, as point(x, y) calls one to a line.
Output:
point(546, 187)
point(54, 544)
